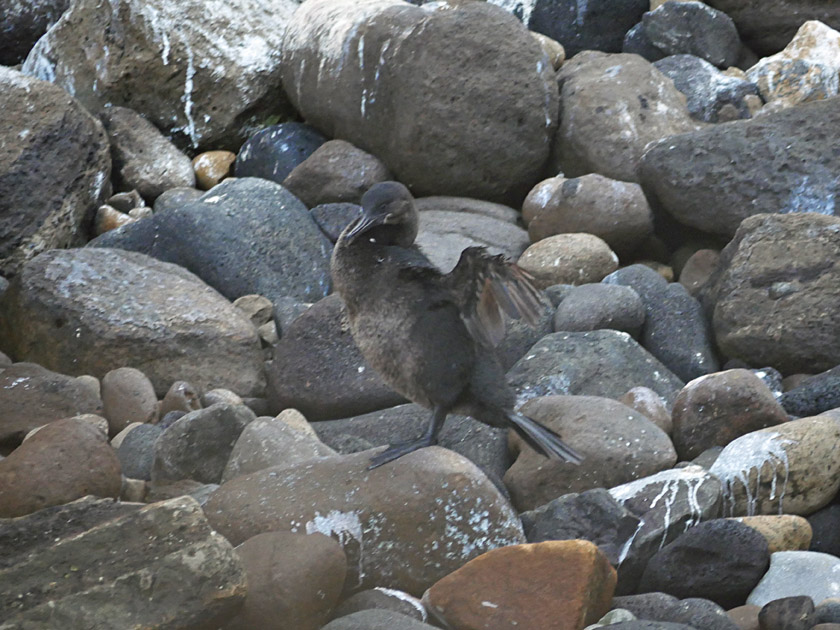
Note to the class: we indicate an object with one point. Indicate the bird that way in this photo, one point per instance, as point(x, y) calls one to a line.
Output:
point(431, 335)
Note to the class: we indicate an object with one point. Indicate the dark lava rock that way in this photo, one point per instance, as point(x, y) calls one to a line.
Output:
point(825, 525)
point(272, 153)
point(598, 25)
point(23, 23)
point(721, 560)
point(693, 28)
point(816, 394)
point(596, 306)
point(714, 178)
point(675, 329)
point(137, 451)
point(332, 218)
point(255, 237)
point(592, 515)
point(637, 43)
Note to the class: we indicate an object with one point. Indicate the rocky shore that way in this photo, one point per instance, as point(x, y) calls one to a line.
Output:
point(186, 423)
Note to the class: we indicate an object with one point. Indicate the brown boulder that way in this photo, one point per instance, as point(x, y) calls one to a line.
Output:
point(65, 460)
point(563, 585)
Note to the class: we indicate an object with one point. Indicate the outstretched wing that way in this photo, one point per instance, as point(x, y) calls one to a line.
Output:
point(488, 287)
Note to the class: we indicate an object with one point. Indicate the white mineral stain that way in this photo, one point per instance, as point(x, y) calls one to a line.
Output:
point(748, 456)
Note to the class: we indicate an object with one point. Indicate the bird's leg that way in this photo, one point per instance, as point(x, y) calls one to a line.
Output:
point(429, 438)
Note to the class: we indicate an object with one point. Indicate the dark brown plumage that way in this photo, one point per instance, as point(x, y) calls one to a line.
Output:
point(431, 335)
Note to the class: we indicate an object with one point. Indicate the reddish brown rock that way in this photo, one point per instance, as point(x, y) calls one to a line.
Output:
point(715, 409)
point(66, 460)
point(211, 167)
point(294, 581)
point(563, 585)
point(32, 396)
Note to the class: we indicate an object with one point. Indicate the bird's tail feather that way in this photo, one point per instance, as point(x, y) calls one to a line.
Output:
point(542, 439)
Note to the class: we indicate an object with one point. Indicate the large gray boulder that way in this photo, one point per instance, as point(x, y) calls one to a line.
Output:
point(205, 71)
point(89, 311)
point(459, 101)
point(714, 178)
point(54, 169)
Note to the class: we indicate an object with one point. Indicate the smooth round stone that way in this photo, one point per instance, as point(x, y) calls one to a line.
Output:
point(568, 259)
point(783, 532)
point(275, 151)
point(650, 404)
point(596, 306)
point(787, 613)
point(128, 396)
point(794, 573)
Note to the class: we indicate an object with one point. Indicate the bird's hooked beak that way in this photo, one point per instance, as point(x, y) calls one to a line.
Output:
point(363, 224)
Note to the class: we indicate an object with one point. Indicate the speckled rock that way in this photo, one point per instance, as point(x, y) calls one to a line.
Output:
point(274, 152)
point(54, 169)
point(597, 306)
point(318, 369)
point(794, 573)
point(44, 471)
point(568, 259)
point(32, 396)
point(151, 56)
point(757, 295)
point(561, 584)
point(180, 397)
point(492, 122)
point(336, 172)
point(256, 238)
point(332, 218)
point(432, 508)
point(294, 581)
point(198, 445)
point(612, 210)
point(790, 468)
point(711, 96)
point(618, 445)
point(612, 107)
point(598, 363)
point(88, 311)
point(135, 447)
point(377, 620)
point(806, 70)
point(715, 409)
point(128, 396)
point(155, 580)
point(143, 159)
point(714, 178)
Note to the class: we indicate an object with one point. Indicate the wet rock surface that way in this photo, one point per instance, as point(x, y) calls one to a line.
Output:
point(188, 382)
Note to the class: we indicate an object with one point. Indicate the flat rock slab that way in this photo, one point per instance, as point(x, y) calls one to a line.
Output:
point(403, 525)
point(714, 178)
point(160, 566)
point(89, 311)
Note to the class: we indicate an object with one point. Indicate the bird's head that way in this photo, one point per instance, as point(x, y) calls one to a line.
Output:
point(388, 216)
